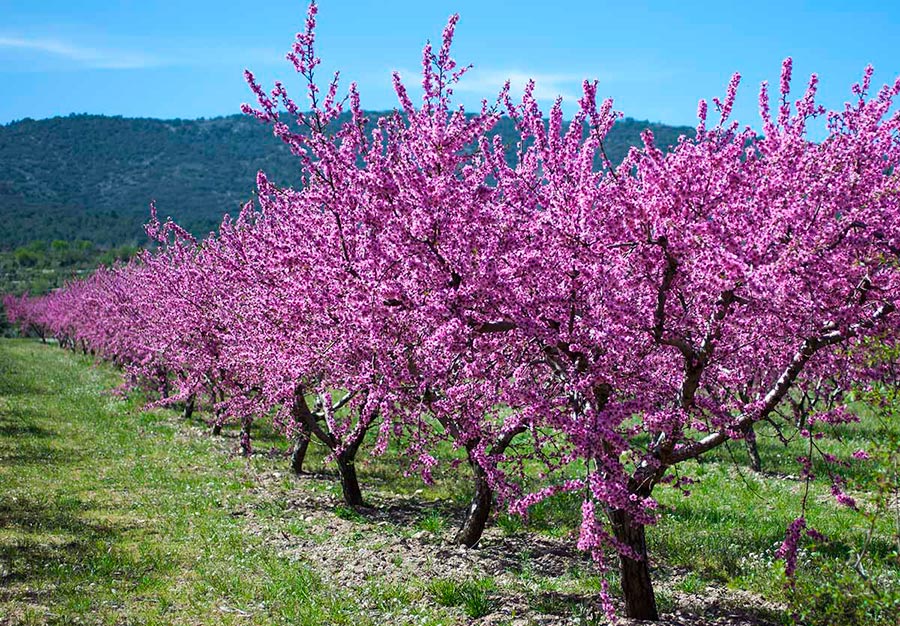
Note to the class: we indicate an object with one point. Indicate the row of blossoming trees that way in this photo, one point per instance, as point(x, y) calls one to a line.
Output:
point(608, 322)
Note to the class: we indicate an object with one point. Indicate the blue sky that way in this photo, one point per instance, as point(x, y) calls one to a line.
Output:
point(656, 59)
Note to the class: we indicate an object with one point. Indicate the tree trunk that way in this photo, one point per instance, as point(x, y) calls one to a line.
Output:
point(349, 482)
point(479, 510)
point(302, 418)
point(189, 407)
point(216, 397)
point(246, 449)
point(346, 459)
point(301, 444)
point(753, 450)
point(164, 385)
point(637, 587)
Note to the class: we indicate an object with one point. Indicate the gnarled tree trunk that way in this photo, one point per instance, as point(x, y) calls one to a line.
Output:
point(300, 414)
point(298, 456)
point(480, 508)
point(346, 458)
point(349, 482)
point(216, 396)
point(301, 444)
point(164, 386)
point(637, 586)
point(189, 405)
point(245, 436)
point(483, 497)
point(753, 450)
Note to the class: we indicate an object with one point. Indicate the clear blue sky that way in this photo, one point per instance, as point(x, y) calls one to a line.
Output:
point(185, 58)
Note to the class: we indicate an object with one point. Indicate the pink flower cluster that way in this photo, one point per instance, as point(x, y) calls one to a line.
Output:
point(788, 549)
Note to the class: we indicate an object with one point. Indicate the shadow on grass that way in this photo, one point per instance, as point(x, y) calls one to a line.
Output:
point(10, 428)
point(24, 442)
point(539, 556)
point(399, 512)
point(724, 613)
point(18, 388)
point(60, 516)
point(407, 513)
point(40, 539)
point(13, 384)
point(697, 609)
point(31, 452)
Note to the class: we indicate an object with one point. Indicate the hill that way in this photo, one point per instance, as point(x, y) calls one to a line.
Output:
point(91, 177)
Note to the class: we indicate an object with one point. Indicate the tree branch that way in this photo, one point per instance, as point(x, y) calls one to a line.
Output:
point(781, 386)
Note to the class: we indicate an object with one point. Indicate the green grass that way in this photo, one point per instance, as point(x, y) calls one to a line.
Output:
point(108, 516)
point(433, 522)
point(349, 514)
point(472, 595)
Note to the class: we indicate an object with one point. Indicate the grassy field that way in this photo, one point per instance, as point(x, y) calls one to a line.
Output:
point(114, 515)
point(107, 516)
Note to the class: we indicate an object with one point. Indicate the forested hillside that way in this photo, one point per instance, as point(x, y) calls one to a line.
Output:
point(90, 177)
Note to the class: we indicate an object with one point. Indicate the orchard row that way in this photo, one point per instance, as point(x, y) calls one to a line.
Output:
point(603, 321)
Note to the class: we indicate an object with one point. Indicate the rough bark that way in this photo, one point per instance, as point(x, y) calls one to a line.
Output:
point(349, 481)
point(637, 586)
point(346, 458)
point(479, 509)
point(301, 415)
point(301, 444)
point(483, 496)
point(245, 437)
point(164, 385)
point(217, 396)
point(189, 405)
point(753, 450)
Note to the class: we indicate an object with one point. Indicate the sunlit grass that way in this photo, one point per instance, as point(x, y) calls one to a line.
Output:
point(106, 517)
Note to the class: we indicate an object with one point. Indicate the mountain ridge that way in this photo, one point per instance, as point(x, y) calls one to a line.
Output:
point(92, 177)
